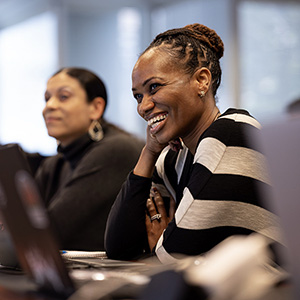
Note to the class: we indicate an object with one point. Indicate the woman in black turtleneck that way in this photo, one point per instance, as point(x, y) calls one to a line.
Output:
point(80, 183)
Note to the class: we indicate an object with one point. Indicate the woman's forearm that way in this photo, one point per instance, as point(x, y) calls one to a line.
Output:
point(125, 229)
point(146, 163)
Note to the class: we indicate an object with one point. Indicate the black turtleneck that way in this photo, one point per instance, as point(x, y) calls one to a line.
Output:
point(81, 182)
point(76, 150)
point(69, 157)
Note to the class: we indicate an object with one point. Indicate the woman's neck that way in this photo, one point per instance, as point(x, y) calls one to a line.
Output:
point(206, 120)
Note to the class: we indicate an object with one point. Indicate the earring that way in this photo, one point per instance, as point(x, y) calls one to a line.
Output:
point(202, 94)
point(96, 131)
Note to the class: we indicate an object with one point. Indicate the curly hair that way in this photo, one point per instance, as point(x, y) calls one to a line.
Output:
point(194, 46)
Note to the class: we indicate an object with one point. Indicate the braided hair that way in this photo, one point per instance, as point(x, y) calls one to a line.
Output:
point(194, 46)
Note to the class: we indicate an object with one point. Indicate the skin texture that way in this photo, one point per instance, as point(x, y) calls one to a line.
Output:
point(155, 205)
point(165, 91)
point(67, 113)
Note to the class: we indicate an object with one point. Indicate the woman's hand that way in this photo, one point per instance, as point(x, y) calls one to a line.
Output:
point(153, 145)
point(157, 218)
point(176, 144)
point(149, 155)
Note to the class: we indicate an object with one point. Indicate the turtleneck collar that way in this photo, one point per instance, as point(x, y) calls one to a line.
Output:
point(76, 150)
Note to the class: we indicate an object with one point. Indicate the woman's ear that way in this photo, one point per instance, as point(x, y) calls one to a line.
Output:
point(97, 108)
point(203, 79)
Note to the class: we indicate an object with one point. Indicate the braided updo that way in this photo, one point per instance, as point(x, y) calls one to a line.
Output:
point(194, 46)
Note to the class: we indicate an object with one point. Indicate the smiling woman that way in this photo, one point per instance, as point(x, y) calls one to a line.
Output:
point(80, 183)
point(67, 112)
point(198, 158)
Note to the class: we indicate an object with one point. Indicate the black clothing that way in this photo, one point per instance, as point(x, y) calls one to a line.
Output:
point(216, 192)
point(80, 183)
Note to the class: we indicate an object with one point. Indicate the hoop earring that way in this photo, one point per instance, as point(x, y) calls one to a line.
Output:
point(202, 94)
point(96, 131)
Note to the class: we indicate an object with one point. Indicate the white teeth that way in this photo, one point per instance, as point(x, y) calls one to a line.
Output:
point(154, 125)
point(152, 121)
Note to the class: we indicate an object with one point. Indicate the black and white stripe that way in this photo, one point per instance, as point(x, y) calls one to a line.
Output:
point(218, 191)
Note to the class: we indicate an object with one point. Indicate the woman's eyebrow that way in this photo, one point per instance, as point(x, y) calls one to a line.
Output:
point(146, 81)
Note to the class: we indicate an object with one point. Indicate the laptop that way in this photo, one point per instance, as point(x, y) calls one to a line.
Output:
point(8, 257)
point(26, 220)
point(280, 142)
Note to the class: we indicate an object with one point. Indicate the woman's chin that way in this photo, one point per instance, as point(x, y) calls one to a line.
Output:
point(163, 139)
point(54, 135)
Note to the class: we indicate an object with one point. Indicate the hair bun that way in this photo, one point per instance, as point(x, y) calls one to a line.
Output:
point(208, 36)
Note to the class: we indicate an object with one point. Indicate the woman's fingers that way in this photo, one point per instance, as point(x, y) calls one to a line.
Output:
point(156, 219)
point(152, 144)
point(153, 213)
point(176, 145)
point(155, 206)
point(156, 209)
point(160, 205)
point(151, 207)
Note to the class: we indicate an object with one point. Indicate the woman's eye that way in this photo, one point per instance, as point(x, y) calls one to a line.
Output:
point(47, 96)
point(63, 97)
point(138, 97)
point(153, 87)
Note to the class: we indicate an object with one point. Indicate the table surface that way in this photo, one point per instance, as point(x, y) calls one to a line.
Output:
point(14, 285)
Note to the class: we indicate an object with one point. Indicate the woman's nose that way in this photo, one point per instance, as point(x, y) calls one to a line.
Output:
point(51, 103)
point(146, 105)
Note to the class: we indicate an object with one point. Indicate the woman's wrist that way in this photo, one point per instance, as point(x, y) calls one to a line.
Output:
point(146, 163)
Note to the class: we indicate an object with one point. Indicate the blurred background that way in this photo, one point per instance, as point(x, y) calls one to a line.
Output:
point(261, 65)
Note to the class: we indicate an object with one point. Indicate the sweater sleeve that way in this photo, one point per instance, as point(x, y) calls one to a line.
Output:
point(125, 236)
point(79, 208)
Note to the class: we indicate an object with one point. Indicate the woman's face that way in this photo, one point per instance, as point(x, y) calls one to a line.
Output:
point(167, 97)
point(67, 113)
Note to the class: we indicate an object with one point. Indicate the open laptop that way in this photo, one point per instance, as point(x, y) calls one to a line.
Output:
point(280, 142)
point(8, 257)
point(34, 241)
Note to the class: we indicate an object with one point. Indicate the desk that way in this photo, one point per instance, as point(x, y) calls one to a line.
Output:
point(16, 286)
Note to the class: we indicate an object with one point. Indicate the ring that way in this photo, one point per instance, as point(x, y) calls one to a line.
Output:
point(156, 217)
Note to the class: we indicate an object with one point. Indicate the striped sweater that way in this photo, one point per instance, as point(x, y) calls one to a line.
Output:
point(217, 191)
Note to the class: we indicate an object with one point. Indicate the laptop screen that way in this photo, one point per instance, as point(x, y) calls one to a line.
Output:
point(28, 223)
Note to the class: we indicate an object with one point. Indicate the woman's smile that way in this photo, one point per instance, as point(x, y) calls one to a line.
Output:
point(157, 122)
point(51, 119)
point(167, 97)
point(67, 112)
